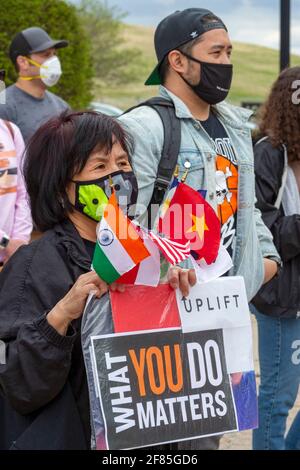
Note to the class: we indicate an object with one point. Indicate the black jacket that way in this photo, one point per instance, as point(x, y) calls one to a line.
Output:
point(43, 389)
point(281, 296)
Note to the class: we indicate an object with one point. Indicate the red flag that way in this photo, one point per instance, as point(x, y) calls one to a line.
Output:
point(190, 217)
point(144, 308)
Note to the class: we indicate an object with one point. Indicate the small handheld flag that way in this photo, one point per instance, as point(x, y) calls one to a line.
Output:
point(189, 217)
point(119, 247)
point(147, 272)
point(174, 252)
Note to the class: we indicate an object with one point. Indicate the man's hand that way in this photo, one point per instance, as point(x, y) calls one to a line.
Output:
point(271, 268)
point(182, 278)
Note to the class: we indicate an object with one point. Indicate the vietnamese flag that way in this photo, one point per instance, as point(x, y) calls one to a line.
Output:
point(190, 217)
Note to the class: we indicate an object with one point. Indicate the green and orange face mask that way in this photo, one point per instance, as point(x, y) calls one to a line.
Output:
point(91, 196)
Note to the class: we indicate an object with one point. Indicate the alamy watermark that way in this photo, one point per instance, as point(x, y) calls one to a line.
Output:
point(296, 353)
point(179, 221)
point(2, 352)
point(2, 92)
point(296, 94)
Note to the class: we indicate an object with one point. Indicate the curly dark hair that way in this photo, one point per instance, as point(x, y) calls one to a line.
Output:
point(280, 115)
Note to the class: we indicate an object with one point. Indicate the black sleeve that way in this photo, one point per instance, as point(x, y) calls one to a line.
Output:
point(269, 166)
point(37, 358)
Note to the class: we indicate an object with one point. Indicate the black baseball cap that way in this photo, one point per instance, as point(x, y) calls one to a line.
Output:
point(32, 40)
point(178, 29)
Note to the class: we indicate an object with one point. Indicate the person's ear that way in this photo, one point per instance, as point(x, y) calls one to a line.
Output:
point(178, 61)
point(22, 63)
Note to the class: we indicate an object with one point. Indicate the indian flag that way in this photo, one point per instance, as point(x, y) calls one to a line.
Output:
point(147, 272)
point(119, 247)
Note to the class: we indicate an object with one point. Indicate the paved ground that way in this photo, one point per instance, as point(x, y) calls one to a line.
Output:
point(242, 440)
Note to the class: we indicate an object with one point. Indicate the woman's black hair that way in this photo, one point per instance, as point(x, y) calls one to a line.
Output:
point(57, 151)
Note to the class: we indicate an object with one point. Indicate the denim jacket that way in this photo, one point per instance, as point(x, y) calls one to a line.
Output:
point(253, 240)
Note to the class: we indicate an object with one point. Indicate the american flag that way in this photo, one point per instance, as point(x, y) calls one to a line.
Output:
point(173, 251)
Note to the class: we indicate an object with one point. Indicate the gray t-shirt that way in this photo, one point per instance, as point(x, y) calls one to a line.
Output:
point(28, 112)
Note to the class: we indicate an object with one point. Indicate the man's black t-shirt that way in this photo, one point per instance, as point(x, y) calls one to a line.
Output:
point(226, 179)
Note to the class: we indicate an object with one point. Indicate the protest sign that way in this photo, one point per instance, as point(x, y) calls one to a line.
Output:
point(163, 386)
point(176, 368)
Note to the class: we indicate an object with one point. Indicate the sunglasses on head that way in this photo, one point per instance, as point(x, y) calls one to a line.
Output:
point(2, 75)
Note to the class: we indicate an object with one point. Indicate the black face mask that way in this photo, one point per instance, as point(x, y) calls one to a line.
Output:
point(215, 81)
point(91, 196)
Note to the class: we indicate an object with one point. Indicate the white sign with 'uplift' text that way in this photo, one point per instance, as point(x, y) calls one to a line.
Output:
point(221, 304)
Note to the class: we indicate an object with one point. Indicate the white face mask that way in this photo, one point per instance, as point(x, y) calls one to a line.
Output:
point(51, 71)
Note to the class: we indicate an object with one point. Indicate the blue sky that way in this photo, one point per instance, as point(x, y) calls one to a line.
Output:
point(253, 21)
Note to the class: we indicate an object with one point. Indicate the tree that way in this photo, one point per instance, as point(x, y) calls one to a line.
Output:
point(113, 63)
point(61, 21)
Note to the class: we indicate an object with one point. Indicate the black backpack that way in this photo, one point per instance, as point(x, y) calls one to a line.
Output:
point(171, 147)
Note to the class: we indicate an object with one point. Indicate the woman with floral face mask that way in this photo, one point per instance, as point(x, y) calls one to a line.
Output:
point(44, 287)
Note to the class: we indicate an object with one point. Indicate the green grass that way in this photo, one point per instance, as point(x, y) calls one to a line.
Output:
point(255, 69)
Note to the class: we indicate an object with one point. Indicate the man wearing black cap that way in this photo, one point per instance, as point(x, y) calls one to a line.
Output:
point(28, 102)
point(194, 70)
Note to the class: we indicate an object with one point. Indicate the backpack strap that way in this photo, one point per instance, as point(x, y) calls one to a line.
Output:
point(10, 128)
point(284, 178)
point(278, 201)
point(172, 139)
point(261, 140)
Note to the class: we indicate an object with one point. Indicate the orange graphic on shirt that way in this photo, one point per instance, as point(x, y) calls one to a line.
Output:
point(4, 163)
point(8, 181)
point(227, 188)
